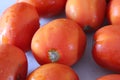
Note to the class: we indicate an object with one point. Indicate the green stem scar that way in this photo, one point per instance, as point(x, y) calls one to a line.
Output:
point(53, 55)
point(87, 27)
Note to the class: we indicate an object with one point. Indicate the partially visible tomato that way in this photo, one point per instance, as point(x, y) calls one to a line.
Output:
point(18, 23)
point(88, 13)
point(110, 77)
point(13, 63)
point(106, 50)
point(53, 71)
point(113, 12)
point(61, 40)
point(47, 8)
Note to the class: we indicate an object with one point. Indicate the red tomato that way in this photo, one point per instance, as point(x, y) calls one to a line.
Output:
point(13, 63)
point(110, 77)
point(106, 50)
point(18, 23)
point(53, 71)
point(60, 40)
point(88, 13)
point(113, 12)
point(47, 8)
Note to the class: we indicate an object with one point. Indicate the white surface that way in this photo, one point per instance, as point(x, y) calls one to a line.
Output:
point(86, 68)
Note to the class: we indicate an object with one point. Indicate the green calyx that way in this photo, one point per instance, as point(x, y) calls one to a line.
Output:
point(53, 55)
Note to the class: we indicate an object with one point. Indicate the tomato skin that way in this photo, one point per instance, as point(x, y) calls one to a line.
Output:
point(13, 63)
point(53, 71)
point(86, 12)
point(106, 50)
point(18, 23)
point(110, 77)
point(61, 36)
point(47, 8)
point(113, 12)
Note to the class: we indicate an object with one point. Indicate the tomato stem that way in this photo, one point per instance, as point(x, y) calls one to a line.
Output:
point(53, 55)
point(87, 28)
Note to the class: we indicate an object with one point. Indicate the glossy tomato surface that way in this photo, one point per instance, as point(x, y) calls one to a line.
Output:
point(60, 40)
point(47, 8)
point(110, 77)
point(53, 71)
point(113, 12)
point(13, 63)
point(18, 23)
point(88, 13)
point(106, 50)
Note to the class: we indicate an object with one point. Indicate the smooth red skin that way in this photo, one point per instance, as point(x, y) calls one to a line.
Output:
point(86, 12)
point(113, 12)
point(47, 8)
point(110, 77)
point(53, 71)
point(63, 35)
point(13, 63)
point(18, 24)
point(106, 50)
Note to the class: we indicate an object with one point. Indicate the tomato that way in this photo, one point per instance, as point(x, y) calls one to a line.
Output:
point(110, 77)
point(47, 8)
point(53, 71)
point(113, 12)
point(106, 50)
point(18, 23)
point(88, 13)
point(61, 41)
point(13, 63)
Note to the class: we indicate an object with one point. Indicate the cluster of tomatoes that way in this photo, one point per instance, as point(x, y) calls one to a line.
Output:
point(60, 43)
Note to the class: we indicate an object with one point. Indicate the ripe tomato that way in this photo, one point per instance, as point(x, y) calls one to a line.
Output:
point(113, 12)
point(110, 77)
point(106, 50)
point(88, 13)
point(47, 8)
point(53, 71)
point(18, 24)
point(13, 63)
point(60, 40)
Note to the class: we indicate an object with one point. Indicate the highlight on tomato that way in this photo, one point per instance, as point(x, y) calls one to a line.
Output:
point(18, 23)
point(106, 49)
point(53, 71)
point(90, 14)
point(61, 41)
point(113, 12)
point(13, 63)
point(47, 8)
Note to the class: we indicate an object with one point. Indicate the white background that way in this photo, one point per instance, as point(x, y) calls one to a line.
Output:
point(86, 68)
